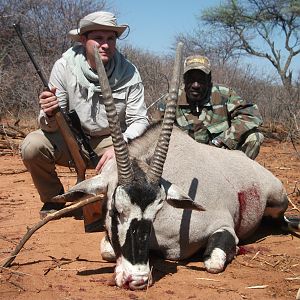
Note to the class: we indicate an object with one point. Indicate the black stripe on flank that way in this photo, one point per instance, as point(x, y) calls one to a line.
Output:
point(136, 247)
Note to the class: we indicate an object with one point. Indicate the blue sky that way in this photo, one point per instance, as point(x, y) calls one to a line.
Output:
point(154, 24)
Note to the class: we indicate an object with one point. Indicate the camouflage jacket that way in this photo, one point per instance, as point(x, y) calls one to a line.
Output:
point(226, 117)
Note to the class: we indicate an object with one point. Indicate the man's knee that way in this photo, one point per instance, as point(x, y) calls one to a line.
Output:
point(33, 146)
point(251, 146)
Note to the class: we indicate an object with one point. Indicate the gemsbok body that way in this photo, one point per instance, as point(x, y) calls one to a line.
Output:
point(170, 194)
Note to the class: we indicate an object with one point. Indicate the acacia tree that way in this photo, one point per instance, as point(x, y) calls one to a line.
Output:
point(220, 48)
point(265, 20)
point(247, 20)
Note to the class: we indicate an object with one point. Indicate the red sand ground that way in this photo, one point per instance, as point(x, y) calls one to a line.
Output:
point(61, 261)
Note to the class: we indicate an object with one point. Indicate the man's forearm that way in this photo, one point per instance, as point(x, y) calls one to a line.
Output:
point(136, 129)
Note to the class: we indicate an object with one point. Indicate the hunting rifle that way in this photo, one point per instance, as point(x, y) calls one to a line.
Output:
point(74, 137)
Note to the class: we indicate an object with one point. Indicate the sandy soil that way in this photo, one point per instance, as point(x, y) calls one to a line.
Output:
point(61, 261)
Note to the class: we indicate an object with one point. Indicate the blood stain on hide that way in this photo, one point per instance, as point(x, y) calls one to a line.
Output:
point(249, 204)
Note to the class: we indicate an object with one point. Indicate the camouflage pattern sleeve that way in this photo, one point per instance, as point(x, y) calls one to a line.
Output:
point(243, 117)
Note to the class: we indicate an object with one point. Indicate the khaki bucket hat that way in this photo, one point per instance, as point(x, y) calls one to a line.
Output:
point(197, 62)
point(99, 20)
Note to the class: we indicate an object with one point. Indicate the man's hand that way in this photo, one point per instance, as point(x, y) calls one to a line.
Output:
point(107, 155)
point(48, 101)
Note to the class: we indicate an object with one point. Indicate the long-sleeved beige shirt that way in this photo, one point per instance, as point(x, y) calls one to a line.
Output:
point(129, 103)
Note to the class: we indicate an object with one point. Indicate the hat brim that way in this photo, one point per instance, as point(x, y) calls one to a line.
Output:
point(197, 67)
point(75, 34)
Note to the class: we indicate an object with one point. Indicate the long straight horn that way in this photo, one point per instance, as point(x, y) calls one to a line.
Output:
point(160, 153)
point(125, 171)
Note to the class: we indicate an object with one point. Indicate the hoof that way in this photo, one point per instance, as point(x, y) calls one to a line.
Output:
point(106, 250)
point(216, 262)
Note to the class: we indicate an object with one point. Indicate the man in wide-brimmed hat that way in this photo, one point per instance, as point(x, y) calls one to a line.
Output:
point(74, 85)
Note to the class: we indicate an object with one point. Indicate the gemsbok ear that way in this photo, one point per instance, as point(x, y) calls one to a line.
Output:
point(178, 199)
point(84, 189)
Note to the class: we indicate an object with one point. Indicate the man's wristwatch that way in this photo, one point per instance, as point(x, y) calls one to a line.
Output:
point(217, 143)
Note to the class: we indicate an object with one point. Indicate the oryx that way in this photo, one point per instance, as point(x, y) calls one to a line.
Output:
point(223, 195)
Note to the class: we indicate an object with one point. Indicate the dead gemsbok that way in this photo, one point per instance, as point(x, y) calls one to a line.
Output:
point(168, 193)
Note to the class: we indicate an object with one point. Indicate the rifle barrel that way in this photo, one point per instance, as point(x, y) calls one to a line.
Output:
point(17, 27)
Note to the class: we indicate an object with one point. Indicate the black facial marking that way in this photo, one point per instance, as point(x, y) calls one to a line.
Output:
point(140, 191)
point(114, 234)
point(136, 247)
point(142, 194)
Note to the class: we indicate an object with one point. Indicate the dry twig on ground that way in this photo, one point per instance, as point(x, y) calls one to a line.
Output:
point(50, 217)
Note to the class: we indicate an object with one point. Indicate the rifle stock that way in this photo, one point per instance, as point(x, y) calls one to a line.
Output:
point(92, 213)
point(73, 147)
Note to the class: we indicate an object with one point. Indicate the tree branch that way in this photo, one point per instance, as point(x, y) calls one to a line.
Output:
point(50, 217)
